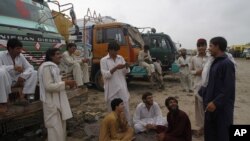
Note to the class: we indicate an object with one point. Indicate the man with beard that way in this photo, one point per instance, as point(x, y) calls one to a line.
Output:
point(147, 114)
point(179, 126)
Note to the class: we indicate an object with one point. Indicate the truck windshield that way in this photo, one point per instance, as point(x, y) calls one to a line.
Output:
point(27, 14)
point(135, 37)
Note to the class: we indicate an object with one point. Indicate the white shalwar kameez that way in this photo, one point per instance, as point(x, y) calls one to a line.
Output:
point(115, 85)
point(143, 116)
point(5, 85)
point(197, 63)
point(56, 108)
point(142, 56)
point(185, 73)
point(69, 63)
point(29, 74)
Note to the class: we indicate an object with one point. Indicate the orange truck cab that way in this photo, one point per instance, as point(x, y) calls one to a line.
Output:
point(95, 39)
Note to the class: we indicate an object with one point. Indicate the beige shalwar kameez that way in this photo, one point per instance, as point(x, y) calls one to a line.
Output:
point(70, 63)
point(142, 57)
point(197, 63)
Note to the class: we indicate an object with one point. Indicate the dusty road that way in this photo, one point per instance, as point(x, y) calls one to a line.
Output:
point(96, 103)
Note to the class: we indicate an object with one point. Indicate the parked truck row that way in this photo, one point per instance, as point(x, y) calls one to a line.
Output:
point(40, 28)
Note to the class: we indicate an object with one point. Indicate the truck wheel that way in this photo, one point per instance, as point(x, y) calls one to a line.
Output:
point(99, 81)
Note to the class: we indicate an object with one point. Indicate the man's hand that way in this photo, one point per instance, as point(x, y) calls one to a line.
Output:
point(18, 69)
point(120, 66)
point(126, 65)
point(70, 83)
point(85, 60)
point(161, 136)
point(20, 81)
point(211, 107)
point(199, 72)
point(150, 126)
point(184, 65)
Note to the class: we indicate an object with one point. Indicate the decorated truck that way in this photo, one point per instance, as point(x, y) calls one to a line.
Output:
point(31, 22)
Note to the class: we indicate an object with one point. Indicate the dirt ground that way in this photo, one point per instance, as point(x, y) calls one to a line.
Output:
point(95, 103)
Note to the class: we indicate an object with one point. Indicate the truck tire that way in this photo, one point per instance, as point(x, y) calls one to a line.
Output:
point(99, 83)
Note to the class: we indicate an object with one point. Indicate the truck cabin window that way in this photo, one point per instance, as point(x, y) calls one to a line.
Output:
point(31, 14)
point(106, 35)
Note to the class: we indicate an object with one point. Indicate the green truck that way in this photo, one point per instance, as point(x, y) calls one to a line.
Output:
point(161, 47)
point(31, 22)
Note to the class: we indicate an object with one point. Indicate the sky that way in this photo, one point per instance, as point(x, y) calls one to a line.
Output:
point(184, 21)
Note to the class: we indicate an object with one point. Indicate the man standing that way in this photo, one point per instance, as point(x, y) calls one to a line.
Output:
point(196, 66)
point(147, 114)
point(20, 71)
point(115, 125)
point(79, 68)
point(179, 126)
point(183, 63)
point(56, 108)
point(114, 70)
point(219, 92)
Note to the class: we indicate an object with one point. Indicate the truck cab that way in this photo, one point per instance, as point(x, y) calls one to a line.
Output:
point(96, 38)
point(161, 47)
point(31, 22)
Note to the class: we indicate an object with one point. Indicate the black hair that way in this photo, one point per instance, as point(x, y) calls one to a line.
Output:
point(146, 47)
point(219, 41)
point(201, 42)
point(13, 43)
point(145, 95)
point(113, 45)
point(70, 45)
point(115, 102)
point(50, 53)
point(168, 100)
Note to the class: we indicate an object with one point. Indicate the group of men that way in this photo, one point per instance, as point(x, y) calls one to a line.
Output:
point(16, 71)
point(214, 89)
point(117, 125)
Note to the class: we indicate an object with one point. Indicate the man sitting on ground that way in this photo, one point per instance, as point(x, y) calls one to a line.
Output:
point(70, 63)
point(20, 72)
point(114, 125)
point(147, 114)
point(179, 126)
